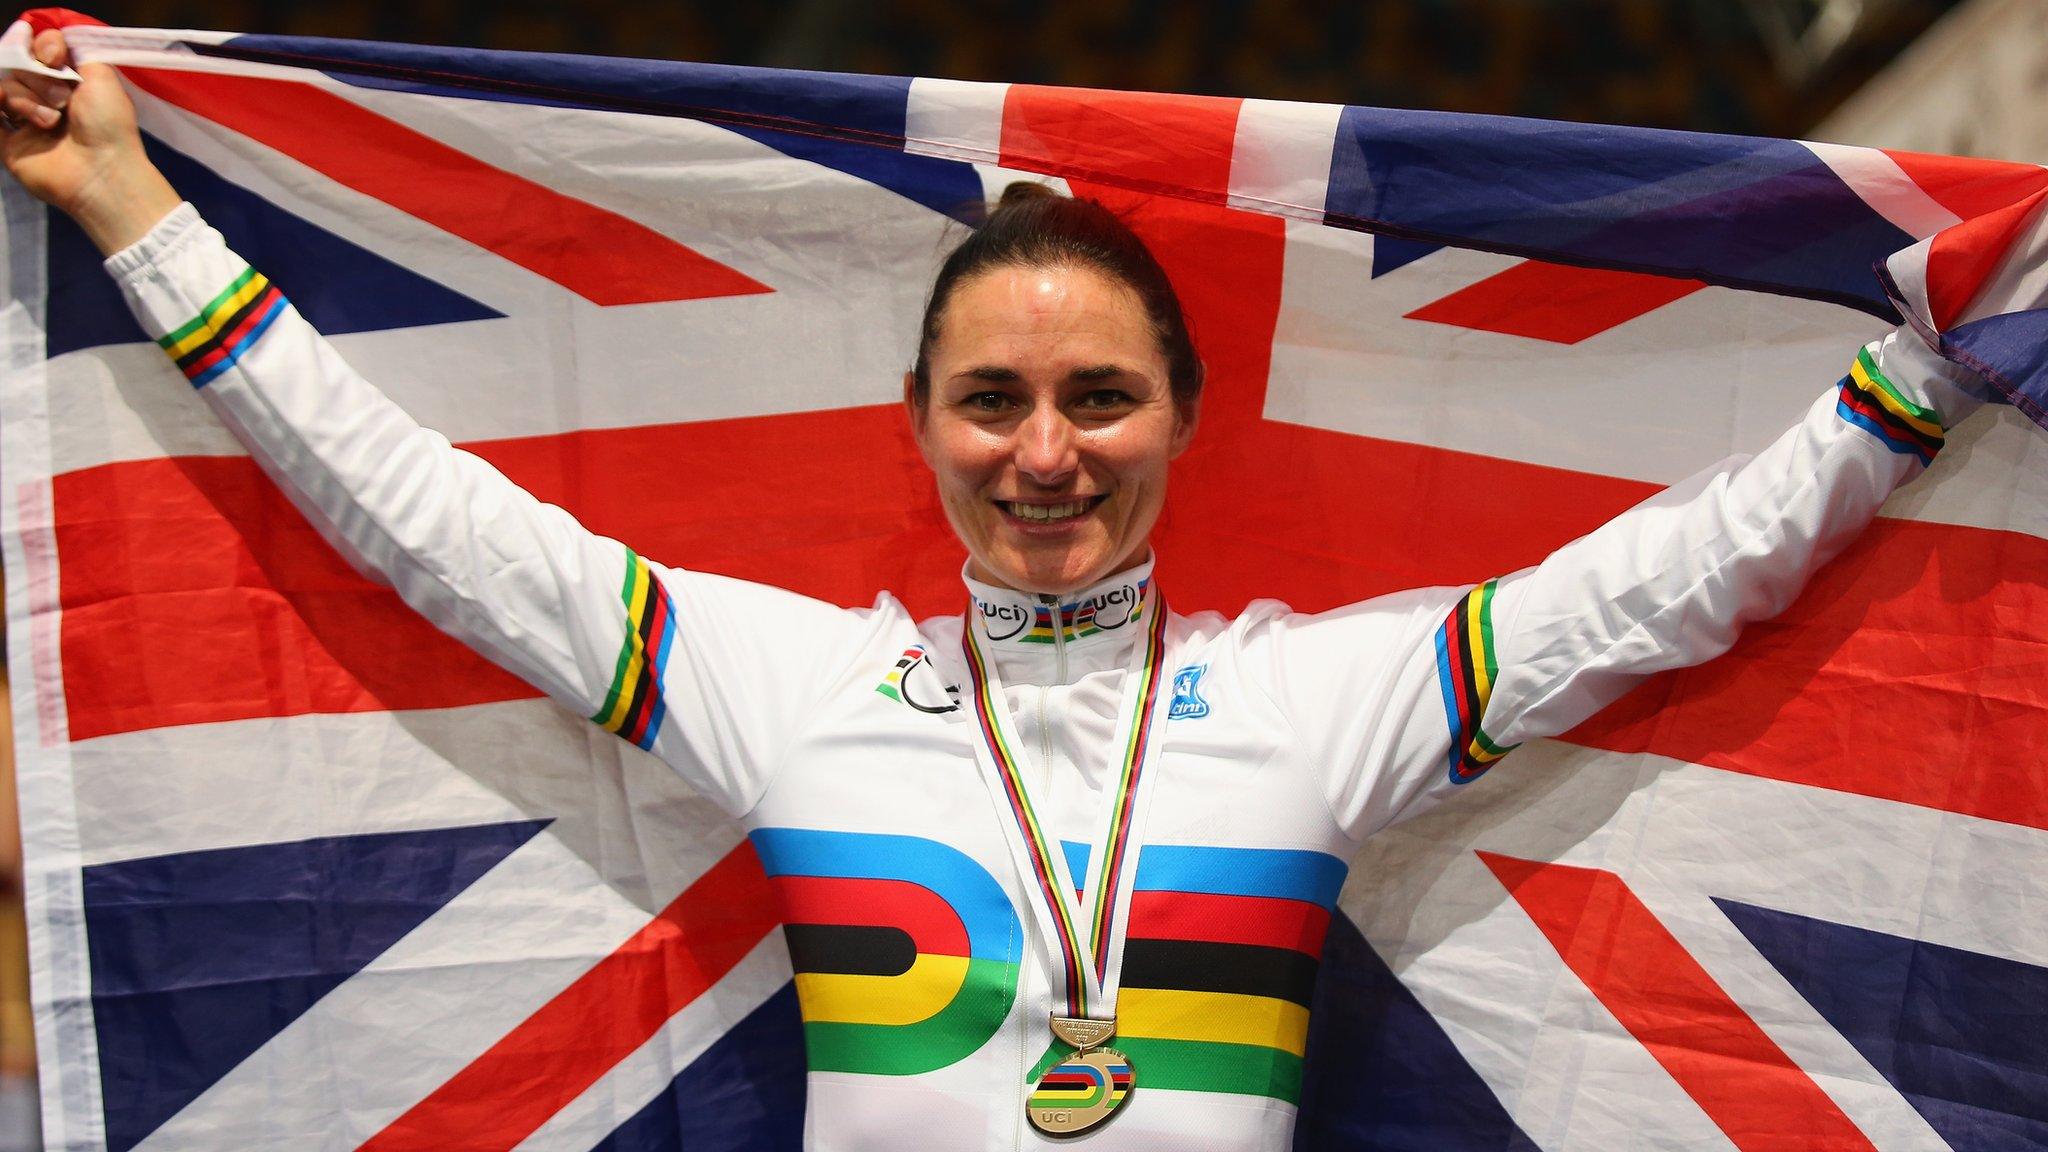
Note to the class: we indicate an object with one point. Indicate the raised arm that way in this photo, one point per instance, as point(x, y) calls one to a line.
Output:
point(713, 675)
point(1404, 699)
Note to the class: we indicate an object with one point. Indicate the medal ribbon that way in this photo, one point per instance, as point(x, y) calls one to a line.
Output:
point(1084, 963)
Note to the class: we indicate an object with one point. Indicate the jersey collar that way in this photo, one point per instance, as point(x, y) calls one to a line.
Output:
point(1098, 615)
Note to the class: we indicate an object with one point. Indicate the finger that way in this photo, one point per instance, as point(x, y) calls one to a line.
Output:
point(21, 104)
point(55, 93)
point(50, 48)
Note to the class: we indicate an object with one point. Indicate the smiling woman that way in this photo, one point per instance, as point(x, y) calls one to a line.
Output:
point(1054, 382)
point(1068, 856)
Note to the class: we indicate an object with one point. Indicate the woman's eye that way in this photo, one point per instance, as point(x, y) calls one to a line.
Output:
point(1103, 399)
point(986, 402)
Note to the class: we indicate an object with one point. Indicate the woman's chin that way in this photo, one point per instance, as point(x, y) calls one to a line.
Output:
point(1044, 573)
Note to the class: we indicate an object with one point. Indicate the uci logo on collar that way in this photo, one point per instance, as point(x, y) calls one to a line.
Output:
point(1187, 701)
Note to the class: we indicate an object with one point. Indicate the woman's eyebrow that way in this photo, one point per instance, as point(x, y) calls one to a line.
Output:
point(1099, 372)
point(991, 373)
point(999, 374)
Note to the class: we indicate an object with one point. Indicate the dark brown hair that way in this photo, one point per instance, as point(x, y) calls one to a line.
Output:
point(1033, 226)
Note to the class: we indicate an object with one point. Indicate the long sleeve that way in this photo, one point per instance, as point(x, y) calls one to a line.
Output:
point(1403, 699)
point(683, 664)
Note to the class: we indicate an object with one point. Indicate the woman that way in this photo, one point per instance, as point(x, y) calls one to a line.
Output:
point(995, 779)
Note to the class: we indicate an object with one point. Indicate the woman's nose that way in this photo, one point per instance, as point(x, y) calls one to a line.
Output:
point(1046, 449)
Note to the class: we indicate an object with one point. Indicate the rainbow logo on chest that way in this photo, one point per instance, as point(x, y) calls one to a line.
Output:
point(1220, 965)
point(905, 950)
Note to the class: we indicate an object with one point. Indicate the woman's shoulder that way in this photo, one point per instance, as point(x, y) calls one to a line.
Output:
point(1267, 612)
point(778, 611)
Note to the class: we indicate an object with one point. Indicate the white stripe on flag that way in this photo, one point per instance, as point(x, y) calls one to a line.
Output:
point(1657, 398)
point(1883, 185)
point(1281, 162)
point(955, 120)
point(302, 777)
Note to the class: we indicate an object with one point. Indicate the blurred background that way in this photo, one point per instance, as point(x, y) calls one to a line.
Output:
point(1967, 77)
point(1769, 67)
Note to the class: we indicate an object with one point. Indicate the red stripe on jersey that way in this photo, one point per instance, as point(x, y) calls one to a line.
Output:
point(1737, 1075)
point(931, 923)
point(545, 1063)
point(596, 253)
point(1266, 921)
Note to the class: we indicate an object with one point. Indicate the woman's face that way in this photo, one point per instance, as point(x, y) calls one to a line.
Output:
point(1049, 425)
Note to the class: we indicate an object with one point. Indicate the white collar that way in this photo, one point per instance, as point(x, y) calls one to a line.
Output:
point(1095, 616)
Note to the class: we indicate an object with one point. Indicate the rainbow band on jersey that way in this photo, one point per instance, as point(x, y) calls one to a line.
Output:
point(1873, 403)
point(1112, 868)
point(634, 706)
point(211, 342)
point(1466, 671)
point(1039, 848)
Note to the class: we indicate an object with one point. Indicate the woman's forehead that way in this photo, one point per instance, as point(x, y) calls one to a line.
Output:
point(1038, 307)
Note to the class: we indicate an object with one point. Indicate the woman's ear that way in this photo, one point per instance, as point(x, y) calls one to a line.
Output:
point(914, 411)
point(1187, 417)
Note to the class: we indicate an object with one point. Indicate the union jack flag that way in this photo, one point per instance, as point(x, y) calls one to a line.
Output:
point(305, 873)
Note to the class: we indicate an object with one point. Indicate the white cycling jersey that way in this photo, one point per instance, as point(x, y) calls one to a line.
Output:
point(839, 739)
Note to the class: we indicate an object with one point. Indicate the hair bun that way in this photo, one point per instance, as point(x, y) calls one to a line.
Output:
point(1025, 191)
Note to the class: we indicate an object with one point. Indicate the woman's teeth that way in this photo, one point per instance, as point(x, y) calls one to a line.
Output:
point(1047, 512)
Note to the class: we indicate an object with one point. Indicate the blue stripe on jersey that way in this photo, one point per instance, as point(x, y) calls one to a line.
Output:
point(1284, 873)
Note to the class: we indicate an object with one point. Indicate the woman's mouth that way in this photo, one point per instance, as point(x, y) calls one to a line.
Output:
point(1040, 512)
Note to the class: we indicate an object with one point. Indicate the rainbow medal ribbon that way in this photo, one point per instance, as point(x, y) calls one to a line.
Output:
point(1081, 929)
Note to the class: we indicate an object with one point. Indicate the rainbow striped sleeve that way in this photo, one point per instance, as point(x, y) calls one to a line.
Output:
point(633, 707)
point(1875, 404)
point(211, 342)
point(1466, 669)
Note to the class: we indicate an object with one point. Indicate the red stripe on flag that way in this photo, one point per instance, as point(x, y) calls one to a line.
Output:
point(1737, 1075)
point(194, 592)
point(597, 254)
point(546, 1062)
point(1915, 668)
point(1135, 140)
point(934, 927)
point(1555, 302)
point(1964, 256)
point(1267, 921)
point(1970, 187)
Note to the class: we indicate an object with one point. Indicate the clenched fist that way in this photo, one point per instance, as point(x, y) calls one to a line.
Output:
point(76, 147)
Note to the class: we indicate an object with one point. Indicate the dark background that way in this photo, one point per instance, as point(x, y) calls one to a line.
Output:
point(1713, 65)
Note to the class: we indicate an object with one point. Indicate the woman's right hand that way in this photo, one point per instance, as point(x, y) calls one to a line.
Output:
point(77, 148)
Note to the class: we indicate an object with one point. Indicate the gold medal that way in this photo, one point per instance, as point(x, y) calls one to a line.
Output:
point(1083, 1090)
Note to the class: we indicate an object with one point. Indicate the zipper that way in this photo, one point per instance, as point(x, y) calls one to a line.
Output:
point(1059, 638)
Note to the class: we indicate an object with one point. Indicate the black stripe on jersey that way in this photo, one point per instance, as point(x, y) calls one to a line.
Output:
point(850, 949)
point(1203, 966)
